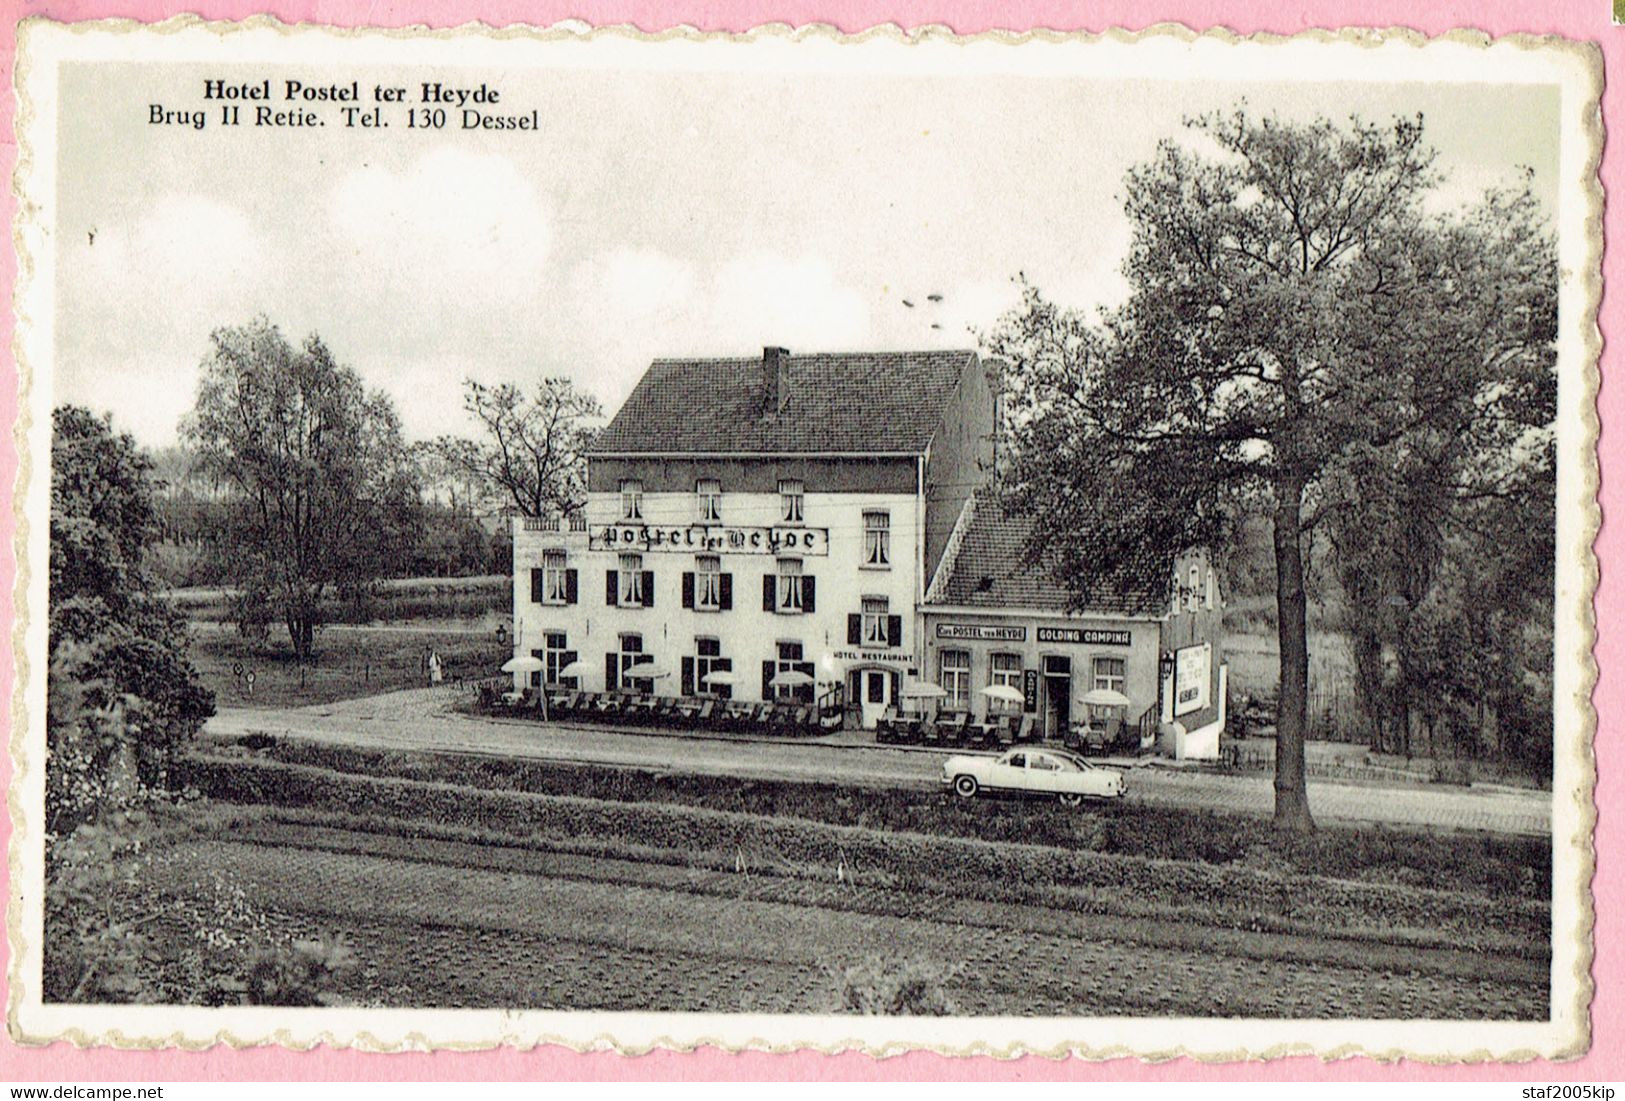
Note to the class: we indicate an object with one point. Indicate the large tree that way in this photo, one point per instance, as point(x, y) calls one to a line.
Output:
point(324, 490)
point(121, 689)
point(1295, 313)
point(530, 455)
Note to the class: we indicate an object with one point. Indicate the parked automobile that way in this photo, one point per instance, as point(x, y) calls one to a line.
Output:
point(1029, 771)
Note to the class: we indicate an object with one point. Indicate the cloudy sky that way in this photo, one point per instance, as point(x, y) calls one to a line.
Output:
point(658, 214)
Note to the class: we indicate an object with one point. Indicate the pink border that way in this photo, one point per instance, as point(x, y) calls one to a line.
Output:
point(1580, 19)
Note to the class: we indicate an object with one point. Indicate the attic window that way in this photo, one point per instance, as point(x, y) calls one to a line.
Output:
point(985, 585)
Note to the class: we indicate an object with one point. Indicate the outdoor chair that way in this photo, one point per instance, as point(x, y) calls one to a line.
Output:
point(1073, 737)
point(611, 704)
point(736, 716)
point(952, 731)
point(930, 732)
point(1007, 730)
point(664, 712)
point(707, 711)
point(1115, 729)
point(1024, 733)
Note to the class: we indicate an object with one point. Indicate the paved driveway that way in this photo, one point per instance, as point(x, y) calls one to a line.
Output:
point(423, 720)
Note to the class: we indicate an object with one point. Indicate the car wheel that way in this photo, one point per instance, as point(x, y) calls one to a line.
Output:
point(965, 786)
point(1071, 799)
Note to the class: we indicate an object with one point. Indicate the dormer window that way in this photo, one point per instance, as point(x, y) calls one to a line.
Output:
point(877, 540)
point(709, 493)
point(631, 500)
point(791, 495)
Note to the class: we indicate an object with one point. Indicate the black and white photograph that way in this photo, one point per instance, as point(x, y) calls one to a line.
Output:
point(900, 542)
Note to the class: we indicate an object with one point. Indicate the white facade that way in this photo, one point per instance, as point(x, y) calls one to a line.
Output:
point(854, 579)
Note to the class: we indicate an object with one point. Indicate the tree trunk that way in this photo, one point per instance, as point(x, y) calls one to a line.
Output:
point(1292, 706)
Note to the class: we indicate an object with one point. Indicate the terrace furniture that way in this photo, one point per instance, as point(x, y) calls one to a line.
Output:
point(913, 730)
point(684, 711)
point(610, 704)
point(981, 735)
point(1115, 730)
point(1007, 729)
point(736, 716)
point(1072, 738)
point(1024, 733)
point(930, 732)
point(708, 709)
point(952, 730)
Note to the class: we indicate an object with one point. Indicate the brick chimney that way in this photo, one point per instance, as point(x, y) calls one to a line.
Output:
point(774, 384)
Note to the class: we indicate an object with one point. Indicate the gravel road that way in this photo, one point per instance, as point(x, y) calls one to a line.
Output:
point(422, 719)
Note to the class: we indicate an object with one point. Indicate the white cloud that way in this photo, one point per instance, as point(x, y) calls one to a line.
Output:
point(764, 299)
point(466, 222)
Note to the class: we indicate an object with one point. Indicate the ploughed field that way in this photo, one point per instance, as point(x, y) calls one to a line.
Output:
point(467, 883)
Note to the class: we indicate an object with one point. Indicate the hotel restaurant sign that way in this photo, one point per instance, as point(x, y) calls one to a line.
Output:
point(998, 632)
point(711, 539)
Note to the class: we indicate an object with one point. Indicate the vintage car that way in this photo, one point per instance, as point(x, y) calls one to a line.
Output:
point(1029, 771)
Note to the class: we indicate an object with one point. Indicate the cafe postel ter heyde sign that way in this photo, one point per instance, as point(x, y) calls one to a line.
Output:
point(712, 539)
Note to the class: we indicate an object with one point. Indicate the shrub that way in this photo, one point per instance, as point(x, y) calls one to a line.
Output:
point(882, 987)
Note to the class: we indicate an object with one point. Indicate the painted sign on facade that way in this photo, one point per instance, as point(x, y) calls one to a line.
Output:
point(981, 632)
point(1193, 672)
point(1086, 636)
point(711, 539)
point(874, 657)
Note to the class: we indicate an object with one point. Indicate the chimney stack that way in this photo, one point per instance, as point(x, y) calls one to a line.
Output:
point(773, 381)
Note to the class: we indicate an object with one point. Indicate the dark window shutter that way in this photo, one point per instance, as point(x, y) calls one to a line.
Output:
point(805, 692)
point(854, 629)
point(569, 586)
point(808, 588)
point(767, 680)
point(894, 630)
point(688, 671)
point(768, 593)
point(609, 587)
point(688, 588)
point(648, 588)
point(725, 691)
point(727, 591)
point(535, 586)
point(611, 673)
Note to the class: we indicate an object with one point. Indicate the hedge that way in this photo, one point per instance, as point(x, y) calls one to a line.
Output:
point(1214, 894)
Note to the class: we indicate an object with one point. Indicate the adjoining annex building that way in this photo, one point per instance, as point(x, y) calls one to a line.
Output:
point(816, 527)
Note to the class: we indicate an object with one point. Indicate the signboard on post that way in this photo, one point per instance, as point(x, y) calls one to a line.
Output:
point(1193, 675)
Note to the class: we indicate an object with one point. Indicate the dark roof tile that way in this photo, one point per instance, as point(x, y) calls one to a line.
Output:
point(990, 570)
point(832, 402)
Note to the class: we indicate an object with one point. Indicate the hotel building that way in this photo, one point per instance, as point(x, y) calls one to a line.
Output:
point(809, 526)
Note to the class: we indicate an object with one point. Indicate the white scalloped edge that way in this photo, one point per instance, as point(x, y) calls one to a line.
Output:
point(861, 1035)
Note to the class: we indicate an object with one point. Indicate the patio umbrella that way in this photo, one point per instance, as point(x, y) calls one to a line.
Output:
point(1003, 692)
point(645, 670)
point(924, 690)
point(792, 678)
point(1105, 697)
point(576, 669)
point(527, 664)
point(721, 676)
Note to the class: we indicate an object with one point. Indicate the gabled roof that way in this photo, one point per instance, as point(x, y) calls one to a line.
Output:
point(848, 403)
point(989, 570)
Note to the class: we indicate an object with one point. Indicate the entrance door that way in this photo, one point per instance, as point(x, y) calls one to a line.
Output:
point(874, 686)
point(1057, 696)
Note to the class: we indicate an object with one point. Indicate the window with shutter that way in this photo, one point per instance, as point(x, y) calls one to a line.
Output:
point(708, 584)
point(874, 621)
point(535, 586)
